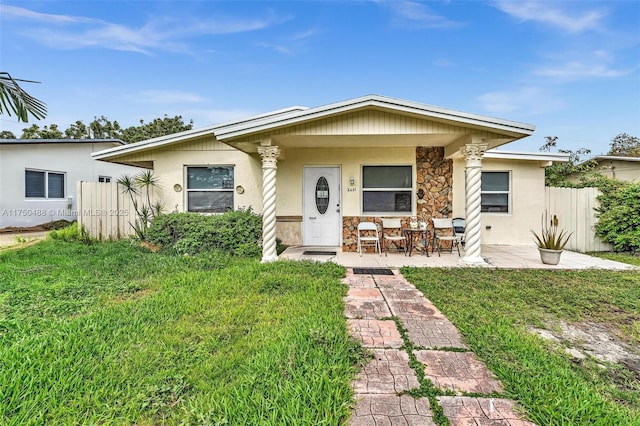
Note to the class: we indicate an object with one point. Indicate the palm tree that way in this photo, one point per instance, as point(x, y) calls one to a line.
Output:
point(14, 98)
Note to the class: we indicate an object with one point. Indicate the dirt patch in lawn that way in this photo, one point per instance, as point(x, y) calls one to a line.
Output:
point(597, 340)
point(58, 224)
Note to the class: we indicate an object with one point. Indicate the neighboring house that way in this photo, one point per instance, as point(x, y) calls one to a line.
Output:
point(38, 177)
point(314, 173)
point(620, 168)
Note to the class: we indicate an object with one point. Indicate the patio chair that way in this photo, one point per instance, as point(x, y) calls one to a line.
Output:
point(459, 225)
point(368, 235)
point(443, 230)
point(394, 235)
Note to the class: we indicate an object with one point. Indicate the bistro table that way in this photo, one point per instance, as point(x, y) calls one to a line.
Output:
point(416, 235)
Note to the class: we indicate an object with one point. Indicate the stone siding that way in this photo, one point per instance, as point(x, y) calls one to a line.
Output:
point(434, 176)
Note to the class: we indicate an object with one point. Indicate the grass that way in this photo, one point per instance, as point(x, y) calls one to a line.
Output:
point(494, 309)
point(112, 334)
point(631, 259)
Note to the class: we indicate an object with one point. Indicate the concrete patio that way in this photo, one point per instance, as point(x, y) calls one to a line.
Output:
point(496, 256)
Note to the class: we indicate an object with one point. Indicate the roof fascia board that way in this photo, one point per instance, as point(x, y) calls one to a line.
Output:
point(527, 156)
point(186, 135)
point(381, 102)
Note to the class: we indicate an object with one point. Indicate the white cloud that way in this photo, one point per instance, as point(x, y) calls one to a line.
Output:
point(580, 70)
point(524, 101)
point(73, 32)
point(552, 14)
point(417, 15)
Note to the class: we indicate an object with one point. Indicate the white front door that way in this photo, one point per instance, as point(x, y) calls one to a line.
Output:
point(321, 223)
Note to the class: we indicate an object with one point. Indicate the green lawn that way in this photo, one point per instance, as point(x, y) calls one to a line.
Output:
point(494, 310)
point(112, 334)
point(631, 259)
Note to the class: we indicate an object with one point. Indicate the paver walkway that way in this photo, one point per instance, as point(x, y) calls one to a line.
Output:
point(372, 306)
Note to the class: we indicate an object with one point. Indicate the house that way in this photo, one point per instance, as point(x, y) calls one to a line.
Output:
point(314, 173)
point(38, 177)
point(620, 168)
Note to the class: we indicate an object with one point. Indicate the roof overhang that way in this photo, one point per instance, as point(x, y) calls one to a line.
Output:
point(271, 129)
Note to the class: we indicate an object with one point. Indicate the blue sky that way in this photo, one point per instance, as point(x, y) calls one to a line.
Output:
point(572, 68)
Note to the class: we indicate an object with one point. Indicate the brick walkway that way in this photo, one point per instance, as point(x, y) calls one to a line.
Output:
point(379, 388)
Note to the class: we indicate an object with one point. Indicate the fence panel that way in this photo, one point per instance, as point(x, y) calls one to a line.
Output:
point(575, 207)
point(104, 211)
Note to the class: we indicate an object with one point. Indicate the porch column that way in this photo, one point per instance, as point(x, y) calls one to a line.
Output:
point(473, 155)
point(269, 156)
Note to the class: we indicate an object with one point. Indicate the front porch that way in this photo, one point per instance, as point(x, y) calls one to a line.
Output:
point(496, 256)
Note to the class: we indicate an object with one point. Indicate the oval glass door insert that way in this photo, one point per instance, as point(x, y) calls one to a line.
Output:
point(322, 195)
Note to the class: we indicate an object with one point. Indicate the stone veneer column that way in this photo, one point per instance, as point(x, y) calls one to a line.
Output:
point(269, 156)
point(473, 155)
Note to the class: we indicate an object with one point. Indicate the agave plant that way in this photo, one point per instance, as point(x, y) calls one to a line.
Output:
point(551, 236)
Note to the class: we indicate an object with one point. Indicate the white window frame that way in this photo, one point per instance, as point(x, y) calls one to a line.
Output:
point(104, 179)
point(410, 189)
point(508, 191)
point(188, 190)
point(46, 184)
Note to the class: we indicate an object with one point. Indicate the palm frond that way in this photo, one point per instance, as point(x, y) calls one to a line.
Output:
point(14, 99)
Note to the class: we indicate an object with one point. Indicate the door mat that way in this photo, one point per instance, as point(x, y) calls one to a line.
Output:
point(318, 253)
point(372, 271)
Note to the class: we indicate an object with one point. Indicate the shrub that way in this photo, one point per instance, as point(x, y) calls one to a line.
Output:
point(619, 217)
point(70, 233)
point(237, 233)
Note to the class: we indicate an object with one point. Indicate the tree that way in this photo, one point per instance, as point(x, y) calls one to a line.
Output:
point(624, 145)
point(158, 127)
point(77, 130)
point(14, 98)
point(5, 134)
point(558, 174)
point(47, 132)
point(102, 128)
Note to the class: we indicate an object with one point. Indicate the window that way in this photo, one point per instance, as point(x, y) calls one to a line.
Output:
point(104, 179)
point(210, 189)
point(43, 184)
point(495, 192)
point(387, 189)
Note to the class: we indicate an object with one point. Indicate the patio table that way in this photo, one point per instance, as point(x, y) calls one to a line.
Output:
point(416, 235)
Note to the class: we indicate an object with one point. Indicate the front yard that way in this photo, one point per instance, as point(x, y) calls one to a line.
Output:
point(110, 333)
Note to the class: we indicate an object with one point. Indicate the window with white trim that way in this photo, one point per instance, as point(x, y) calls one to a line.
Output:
point(387, 189)
point(44, 184)
point(104, 179)
point(209, 189)
point(495, 192)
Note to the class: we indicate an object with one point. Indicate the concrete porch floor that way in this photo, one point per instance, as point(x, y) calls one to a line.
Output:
point(497, 256)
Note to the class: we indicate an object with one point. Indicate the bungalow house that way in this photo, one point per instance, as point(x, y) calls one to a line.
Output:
point(616, 167)
point(38, 177)
point(314, 173)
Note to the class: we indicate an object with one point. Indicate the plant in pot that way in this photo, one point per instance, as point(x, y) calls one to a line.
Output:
point(551, 240)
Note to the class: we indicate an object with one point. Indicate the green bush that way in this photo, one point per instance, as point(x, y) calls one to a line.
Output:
point(237, 233)
point(70, 233)
point(619, 215)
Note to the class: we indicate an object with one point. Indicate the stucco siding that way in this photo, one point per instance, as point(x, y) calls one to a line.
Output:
point(169, 166)
point(628, 171)
point(73, 159)
point(289, 177)
point(527, 201)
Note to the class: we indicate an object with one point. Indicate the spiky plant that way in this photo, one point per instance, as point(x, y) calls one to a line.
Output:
point(551, 236)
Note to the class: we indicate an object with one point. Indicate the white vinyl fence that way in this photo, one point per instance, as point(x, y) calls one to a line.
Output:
point(104, 211)
point(575, 210)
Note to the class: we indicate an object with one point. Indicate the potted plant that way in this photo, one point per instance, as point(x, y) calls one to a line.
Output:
point(551, 240)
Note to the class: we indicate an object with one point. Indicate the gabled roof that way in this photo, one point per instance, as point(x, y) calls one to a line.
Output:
point(58, 141)
point(296, 115)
